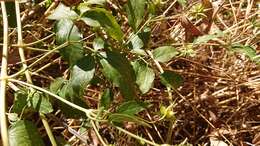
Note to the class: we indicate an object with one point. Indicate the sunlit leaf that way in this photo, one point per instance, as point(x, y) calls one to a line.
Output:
point(135, 11)
point(164, 53)
point(63, 12)
point(117, 68)
point(98, 43)
point(67, 31)
point(101, 17)
point(81, 74)
point(24, 133)
point(144, 76)
point(40, 102)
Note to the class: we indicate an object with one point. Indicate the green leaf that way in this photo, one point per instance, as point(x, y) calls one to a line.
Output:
point(110, 72)
point(136, 44)
point(20, 101)
point(131, 107)
point(106, 98)
point(246, 50)
point(118, 69)
point(104, 19)
point(67, 93)
point(24, 133)
point(98, 43)
point(81, 74)
point(164, 53)
point(183, 3)
point(206, 38)
point(171, 79)
point(144, 76)
point(63, 12)
point(67, 31)
point(135, 11)
point(40, 102)
point(119, 118)
point(57, 84)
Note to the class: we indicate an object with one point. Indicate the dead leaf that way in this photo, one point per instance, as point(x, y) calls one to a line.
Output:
point(191, 31)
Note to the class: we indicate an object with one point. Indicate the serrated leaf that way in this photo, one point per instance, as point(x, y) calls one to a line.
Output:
point(119, 118)
point(40, 102)
point(63, 12)
point(144, 76)
point(81, 74)
point(106, 98)
point(246, 50)
point(24, 133)
point(135, 11)
point(164, 53)
point(171, 79)
point(121, 73)
point(131, 107)
point(104, 19)
point(67, 31)
point(98, 43)
point(20, 101)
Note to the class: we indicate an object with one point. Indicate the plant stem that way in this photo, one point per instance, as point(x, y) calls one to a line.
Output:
point(137, 137)
point(3, 119)
point(87, 111)
point(27, 73)
point(97, 133)
point(48, 129)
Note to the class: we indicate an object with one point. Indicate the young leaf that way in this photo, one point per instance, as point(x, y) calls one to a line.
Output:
point(246, 50)
point(135, 11)
point(67, 31)
point(171, 79)
point(24, 133)
point(131, 107)
point(63, 12)
point(106, 20)
point(82, 73)
point(106, 98)
point(98, 43)
point(123, 74)
point(164, 53)
point(144, 76)
point(40, 102)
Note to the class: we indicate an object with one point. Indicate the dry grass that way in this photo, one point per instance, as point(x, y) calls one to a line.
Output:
point(220, 97)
